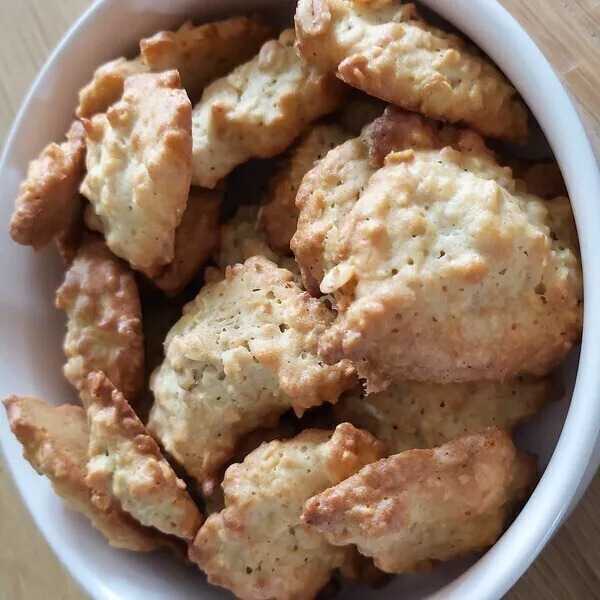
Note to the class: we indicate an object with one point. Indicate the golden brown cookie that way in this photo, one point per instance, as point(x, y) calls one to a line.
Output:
point(258, 110)
point(139, 168)
point(448, 273)
point(280, 215)
point(387, 50)
point(55, 442)
point(106, 86)
point(104, 330)
point(196, 239)
point(202, 54)
point(329, 190)
point(126, 463)
point(411, 415)
point(48, 205)
point(243, 353)
point(411, 509)
point(257, 547)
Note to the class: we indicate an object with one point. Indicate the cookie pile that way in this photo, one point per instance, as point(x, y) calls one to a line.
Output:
point(307, 303)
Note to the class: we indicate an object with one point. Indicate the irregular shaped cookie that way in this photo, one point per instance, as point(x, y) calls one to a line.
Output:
point(139, 167)
point(448, 273)
point(257, 547)
point(243, 353)
point(258, 110)
point(104, 331)
point(204, 53)
point(55, 442)
point(196, 239)
point(214, 500)
point(423, 415)
point(106, 86)
point(48, 205)
point(126, 463)
point(244, 236)
point(280, 215)
point(387, 50)
point(424, 505)
point(329, 191)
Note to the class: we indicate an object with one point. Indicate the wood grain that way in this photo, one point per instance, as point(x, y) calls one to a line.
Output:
point(567, 31)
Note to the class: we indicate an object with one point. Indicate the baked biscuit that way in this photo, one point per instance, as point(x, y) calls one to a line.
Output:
point(125, 463)
point(411, 509)
point(48, 205)
point(106, 86)
point(139, 167)
point(214, 499)
point(196, 239)
point(257, 547)
point(449, 274)
point(280, 216)
point(424, 415)
point(243, 353)
point(258, 110)
point(329, 190)
point(388, 51)
point(104, 330)
point(55, 442)
point(204, 53)
point(244, 236)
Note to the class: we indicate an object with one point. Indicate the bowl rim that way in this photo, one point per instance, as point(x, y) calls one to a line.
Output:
point(489, 25)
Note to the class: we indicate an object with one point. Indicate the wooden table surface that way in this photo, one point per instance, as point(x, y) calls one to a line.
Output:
point(568, 32)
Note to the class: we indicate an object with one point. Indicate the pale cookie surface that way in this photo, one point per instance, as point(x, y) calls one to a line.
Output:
point(424, 505)
point(448, 273)
point(104, 330)
point(55, 442)
point(245, 236)
point(196, 239)
point(280, 215)
point(48, 203)
point(423, 415)
point(126, 463)
point(258, 110)
point(243, 353)
point(202, 54)
point(257, 546)
point(106, 86)
point(329, 190)
point(139, 168)
point(388, 51)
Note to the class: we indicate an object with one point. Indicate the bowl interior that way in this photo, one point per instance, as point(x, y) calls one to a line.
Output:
point(31, 357)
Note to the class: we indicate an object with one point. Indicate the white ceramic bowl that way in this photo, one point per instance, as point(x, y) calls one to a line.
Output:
point(31, 359)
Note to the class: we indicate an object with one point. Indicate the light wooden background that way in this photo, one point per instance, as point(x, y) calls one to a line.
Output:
point(568, 31)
